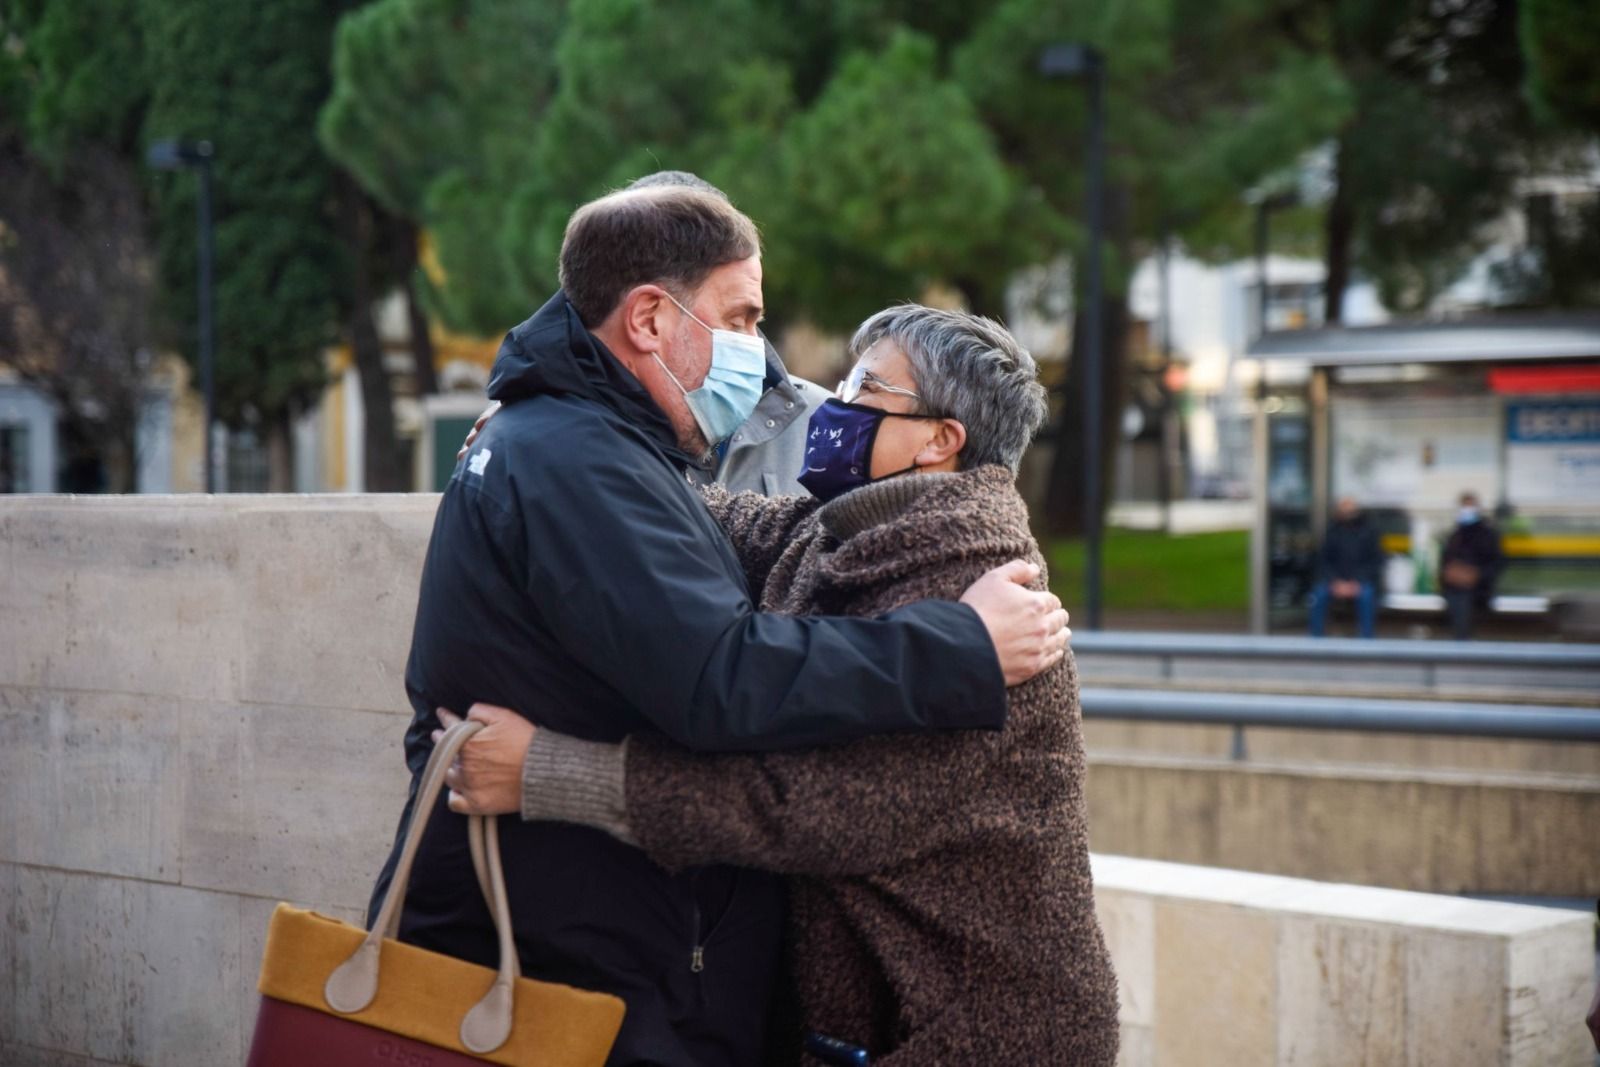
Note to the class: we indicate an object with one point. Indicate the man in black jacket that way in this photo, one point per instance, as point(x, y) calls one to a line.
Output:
point(574, 571)
point(1469, 566)
point(1349, 567)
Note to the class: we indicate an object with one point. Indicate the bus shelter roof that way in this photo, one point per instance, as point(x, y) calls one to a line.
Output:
point(1496, 338)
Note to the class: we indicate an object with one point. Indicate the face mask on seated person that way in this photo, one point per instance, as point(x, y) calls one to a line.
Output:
point(839, 447)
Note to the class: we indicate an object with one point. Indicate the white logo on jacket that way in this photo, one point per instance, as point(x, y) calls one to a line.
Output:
point(478, 461)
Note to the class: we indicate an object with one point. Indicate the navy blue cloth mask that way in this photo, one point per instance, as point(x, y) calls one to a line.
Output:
point(839, 447)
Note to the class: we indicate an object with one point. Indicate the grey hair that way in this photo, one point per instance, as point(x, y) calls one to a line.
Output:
point(680, 178)
point(968, 368)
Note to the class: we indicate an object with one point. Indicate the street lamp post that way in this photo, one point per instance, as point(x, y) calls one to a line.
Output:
point(1088, 63)
point(1164, 467)
point(1260, 619)
point(183, 155)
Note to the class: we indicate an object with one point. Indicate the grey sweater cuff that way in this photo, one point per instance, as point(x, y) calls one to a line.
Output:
point(565, 779)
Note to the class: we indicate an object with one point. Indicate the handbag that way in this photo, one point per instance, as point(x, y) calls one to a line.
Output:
point(333, 994)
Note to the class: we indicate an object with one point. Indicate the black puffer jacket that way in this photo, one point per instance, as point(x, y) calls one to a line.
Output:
point(575, 572)
point(1476, 544)
point(1350, 552)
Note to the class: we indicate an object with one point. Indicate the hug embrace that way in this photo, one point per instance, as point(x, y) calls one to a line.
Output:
point(777, 725)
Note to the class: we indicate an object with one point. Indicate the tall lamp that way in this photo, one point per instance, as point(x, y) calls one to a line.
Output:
point(1081, 61)
point(197, 156)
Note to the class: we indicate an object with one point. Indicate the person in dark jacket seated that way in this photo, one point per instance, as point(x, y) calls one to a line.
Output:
point(1469, 566)
point(1349, 567)
point(574, 571)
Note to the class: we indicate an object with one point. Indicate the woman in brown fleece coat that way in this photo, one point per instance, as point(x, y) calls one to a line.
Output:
point(941, 905)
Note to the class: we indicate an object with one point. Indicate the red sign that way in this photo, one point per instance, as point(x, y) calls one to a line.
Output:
point(1568, 378)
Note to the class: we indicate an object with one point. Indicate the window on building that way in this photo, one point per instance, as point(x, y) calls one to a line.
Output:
point(1294, 305)
point(247, 468)
point(14, 459)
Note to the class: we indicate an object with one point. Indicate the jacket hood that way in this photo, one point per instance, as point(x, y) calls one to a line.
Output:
point(554, 354)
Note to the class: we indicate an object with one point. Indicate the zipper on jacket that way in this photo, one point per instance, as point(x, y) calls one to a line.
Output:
point(697, 954)
point(699, 938)
point(697, 948)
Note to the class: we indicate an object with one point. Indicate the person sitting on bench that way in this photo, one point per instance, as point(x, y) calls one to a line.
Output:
point(1348, 568)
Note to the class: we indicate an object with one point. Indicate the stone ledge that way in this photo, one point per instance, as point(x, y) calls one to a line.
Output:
point(1221, 967)
point(1327, 900)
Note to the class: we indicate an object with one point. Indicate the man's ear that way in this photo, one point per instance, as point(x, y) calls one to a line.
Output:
point(640, 314)
point(949, 439)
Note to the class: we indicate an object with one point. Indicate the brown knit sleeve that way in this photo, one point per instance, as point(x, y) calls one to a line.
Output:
point(849, 809)
point(760, 527)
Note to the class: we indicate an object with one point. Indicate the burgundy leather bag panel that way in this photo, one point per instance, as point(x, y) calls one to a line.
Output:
point(288, 1035)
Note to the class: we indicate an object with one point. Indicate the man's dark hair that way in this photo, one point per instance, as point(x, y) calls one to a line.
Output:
point(678, 178)
point(671, 235)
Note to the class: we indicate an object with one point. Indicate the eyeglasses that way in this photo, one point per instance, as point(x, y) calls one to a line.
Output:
point(860, 378)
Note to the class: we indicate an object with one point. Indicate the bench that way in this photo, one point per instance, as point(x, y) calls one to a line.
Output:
point(1433, 604)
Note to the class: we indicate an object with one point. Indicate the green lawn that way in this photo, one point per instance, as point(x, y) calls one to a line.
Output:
point(1150, 571)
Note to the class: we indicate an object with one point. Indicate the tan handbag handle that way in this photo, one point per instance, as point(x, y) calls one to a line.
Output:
point(354, 983)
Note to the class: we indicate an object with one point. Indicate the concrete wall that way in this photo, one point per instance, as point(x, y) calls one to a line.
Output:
point(1437, 814)
point(201, 712)
point(1434, 831)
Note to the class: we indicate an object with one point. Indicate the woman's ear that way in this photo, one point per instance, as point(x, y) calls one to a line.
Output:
point(947, 442)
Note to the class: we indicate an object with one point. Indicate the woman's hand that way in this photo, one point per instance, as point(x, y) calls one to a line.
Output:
point(486, 778)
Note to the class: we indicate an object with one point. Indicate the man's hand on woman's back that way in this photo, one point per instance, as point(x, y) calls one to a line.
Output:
point(1028, 628)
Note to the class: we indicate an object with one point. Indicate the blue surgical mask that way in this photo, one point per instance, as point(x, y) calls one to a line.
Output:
point(733, 385)
point(1467, 516)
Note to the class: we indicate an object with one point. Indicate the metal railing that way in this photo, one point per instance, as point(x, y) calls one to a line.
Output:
point(1239, 710)
point(1338, 649)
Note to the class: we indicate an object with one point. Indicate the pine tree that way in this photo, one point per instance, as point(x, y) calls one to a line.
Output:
point(1561, 40)
point(435, 109)
point(250, 78)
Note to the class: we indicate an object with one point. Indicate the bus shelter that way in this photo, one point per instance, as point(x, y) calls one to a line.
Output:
point(1404, 417)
